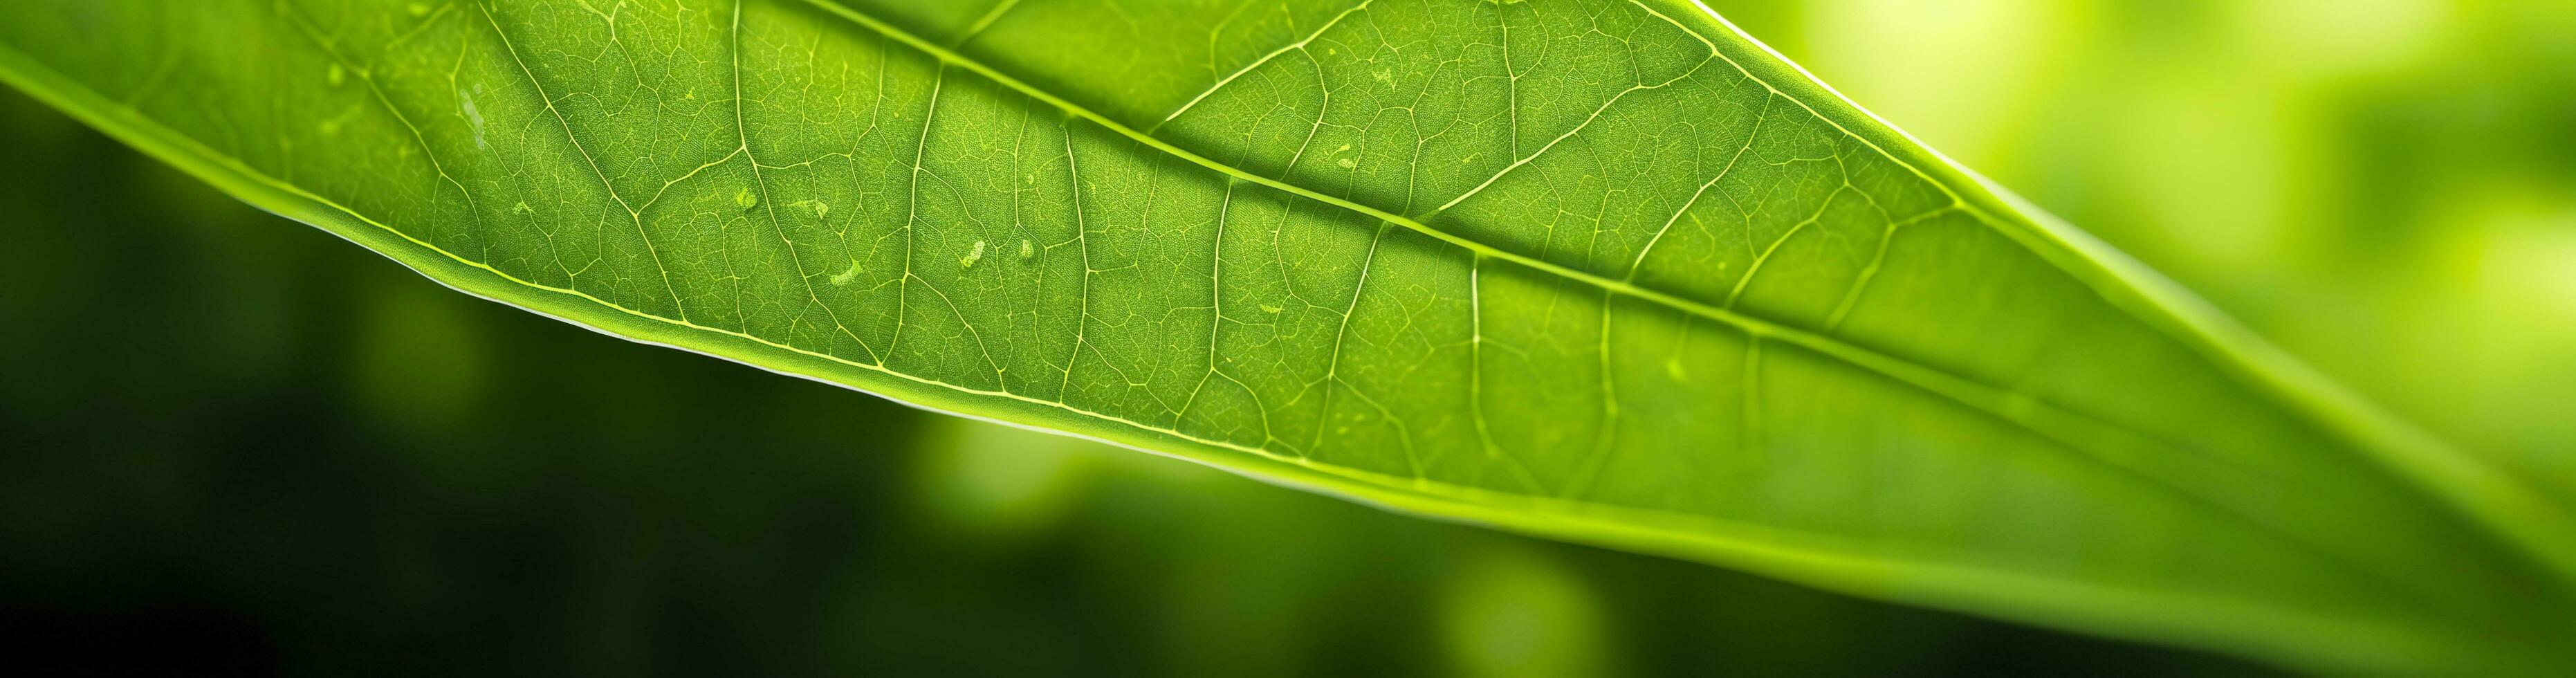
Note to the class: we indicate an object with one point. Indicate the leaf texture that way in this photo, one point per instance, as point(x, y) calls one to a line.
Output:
point(1602, 270)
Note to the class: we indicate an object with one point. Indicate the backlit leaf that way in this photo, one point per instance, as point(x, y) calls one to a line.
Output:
point(1602, 270)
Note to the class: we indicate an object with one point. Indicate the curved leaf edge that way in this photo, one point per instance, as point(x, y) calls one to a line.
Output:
point(2299, 638)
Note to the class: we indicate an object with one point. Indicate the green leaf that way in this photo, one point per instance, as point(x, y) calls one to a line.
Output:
point(1601, 270)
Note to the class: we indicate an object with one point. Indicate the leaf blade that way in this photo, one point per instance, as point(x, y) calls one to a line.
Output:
point(1445, 258)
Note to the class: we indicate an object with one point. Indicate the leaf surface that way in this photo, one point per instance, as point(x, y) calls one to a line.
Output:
point(1600, 270)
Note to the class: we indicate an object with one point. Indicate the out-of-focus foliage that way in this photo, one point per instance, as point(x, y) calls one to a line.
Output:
point(352, 470)
point(348, 471)
point(2385, 187)
point(338, 469)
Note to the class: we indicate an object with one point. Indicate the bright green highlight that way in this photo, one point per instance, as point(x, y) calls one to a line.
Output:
point(1601, 270)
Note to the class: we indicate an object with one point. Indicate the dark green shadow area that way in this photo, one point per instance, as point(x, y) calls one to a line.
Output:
point(236, 445)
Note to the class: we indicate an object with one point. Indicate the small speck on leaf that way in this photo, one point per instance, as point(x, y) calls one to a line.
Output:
point(1271, 308)
point(336, 75)
point(846, 276)
point(465, 102)
point(745, 198)
point(523, 208)
point(972, 256)
point(1027, 250)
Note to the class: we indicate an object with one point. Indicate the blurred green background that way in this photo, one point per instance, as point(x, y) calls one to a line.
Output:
point(237, 444)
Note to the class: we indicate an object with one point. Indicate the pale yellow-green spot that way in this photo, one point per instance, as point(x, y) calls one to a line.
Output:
point(850, 274)
point(523, 208)
point(1511, 613)
point(1028, 250)
point(998, 482)
point(744, 198)
point(1271, 308)
point(972, 256)
point(336, 75)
